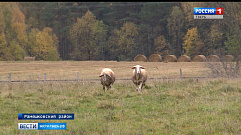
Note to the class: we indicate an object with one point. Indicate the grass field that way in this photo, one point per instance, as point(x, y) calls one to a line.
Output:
point(164, 107)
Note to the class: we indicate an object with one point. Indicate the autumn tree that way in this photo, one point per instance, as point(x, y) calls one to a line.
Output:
point(152, 23)
point(175, 25)
point(114, 53)
point(232, 22)
point(215, 40)
point(3, 46)
point(192, 43)
point(12, 32)
point(87, 35)
point(99, 41)
point(14, 52)
point(187, 9)
point(43, 44)
point(128, 41)
point(162, 46)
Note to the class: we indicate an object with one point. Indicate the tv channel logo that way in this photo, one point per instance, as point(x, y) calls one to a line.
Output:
point(28, 126)
point(42, 126)
point(208, 13)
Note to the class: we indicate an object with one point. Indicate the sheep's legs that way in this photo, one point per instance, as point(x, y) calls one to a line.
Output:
point(140, 87)
point(104, 87)
point(137, 89)
point(108, 87)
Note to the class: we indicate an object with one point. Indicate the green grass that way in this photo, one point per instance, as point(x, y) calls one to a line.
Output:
point(174, 107)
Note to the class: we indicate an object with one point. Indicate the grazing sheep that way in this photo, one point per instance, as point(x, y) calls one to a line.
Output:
point(139, 77)
point(107, 78)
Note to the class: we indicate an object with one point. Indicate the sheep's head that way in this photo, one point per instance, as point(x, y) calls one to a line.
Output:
point(137, 69)
point(105, 76)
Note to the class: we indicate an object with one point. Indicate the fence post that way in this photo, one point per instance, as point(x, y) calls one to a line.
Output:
point(77, 76)
point(44, 77)
point(180, 73)
point(9, 77)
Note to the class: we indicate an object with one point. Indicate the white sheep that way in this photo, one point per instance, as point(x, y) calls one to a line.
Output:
point(107, 78)
point(139, 77)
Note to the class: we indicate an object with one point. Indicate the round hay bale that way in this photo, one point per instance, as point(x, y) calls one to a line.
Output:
point(29, 58)
point(155, 58)
point(170, 58)
point(228, 58)
point(238, 58)
point(184, 58)
point(140, 58)
point(213, 58)
point(199, 58)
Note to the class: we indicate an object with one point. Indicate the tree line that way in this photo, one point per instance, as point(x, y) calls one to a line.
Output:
point(115, 30)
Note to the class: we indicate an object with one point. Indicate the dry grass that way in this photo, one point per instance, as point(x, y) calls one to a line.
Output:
point(35, 70)
point(140, 58)
point(184, 58)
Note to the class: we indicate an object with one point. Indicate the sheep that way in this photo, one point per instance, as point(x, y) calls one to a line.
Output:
point(107, 78)
point(139, 77)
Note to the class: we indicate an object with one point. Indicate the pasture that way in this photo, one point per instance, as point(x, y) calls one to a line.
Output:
point(164, 107)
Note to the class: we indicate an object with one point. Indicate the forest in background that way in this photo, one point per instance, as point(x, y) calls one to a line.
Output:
point(115, 30)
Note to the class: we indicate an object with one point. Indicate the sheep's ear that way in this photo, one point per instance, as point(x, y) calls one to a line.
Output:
point(133, 67)
point(142, 67)
point(100, 75)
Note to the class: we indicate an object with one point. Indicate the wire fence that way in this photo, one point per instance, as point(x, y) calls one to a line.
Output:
point(9, 79)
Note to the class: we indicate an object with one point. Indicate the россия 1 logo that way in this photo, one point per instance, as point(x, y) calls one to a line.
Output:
point(208, 13)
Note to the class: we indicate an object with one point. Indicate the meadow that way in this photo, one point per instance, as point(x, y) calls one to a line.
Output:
point(188, 106)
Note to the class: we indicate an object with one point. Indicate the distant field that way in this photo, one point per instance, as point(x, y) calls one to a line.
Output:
point(91, 69)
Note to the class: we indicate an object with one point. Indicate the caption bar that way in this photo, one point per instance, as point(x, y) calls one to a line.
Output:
point(25, 116)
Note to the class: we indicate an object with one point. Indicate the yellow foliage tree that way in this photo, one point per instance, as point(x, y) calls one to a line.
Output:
point(12, 31)
point(192, 43)
point(44, 44)
point(86, 35)
point(3, 45)
point(162, 46)
point(18, 24)
point(128, 40)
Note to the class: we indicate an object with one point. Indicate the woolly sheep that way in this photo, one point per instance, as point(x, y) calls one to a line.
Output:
point(107, 78)
point(139, 77)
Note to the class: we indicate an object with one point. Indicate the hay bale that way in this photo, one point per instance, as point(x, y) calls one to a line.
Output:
point(140, 58)
point(238, 58)
point(199, 58)
point(184, 58)
point(170, 58)
point(228, 58)
point(155, 58)
point(29, 58)
point(213, 58)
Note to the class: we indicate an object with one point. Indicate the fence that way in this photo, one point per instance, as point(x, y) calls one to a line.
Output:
point(91, 80)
